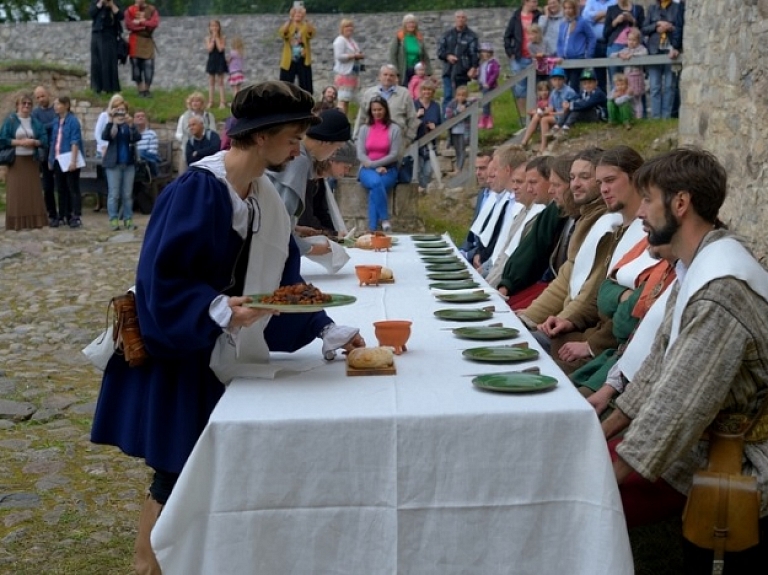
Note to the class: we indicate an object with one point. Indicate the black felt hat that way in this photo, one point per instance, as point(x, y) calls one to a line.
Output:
point(269, 104)
point(334, 127)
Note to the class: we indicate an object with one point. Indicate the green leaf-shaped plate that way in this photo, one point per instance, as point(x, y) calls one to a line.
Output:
point(427, 238)
point(336, 300)
point(442, 260)
point(458, 284)
point(514, 382)
point(463, 297)
point(436, 252)
point(454, 267)
point(486, 332)
point(431, 245)
point(500, 354)
point(447, 276)
point(463, 314)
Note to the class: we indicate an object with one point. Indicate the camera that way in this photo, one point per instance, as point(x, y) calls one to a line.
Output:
point(362, 67)
point(119, 114)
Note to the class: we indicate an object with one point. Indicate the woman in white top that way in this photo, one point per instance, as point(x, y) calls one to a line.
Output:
point(347, 63)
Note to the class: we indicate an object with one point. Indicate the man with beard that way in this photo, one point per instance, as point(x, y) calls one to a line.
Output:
point(708, 364)
point(572, 347)
point(217, 232)
point(570, 299)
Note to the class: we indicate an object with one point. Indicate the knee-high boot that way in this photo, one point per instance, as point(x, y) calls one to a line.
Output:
point(144, 560)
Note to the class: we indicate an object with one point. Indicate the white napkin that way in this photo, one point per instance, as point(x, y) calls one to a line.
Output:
point(333, 261)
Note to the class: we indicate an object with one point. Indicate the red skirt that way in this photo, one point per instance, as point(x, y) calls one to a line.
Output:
point(524, 298)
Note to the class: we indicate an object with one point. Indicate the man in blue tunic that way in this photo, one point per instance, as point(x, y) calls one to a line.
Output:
point(217, 232)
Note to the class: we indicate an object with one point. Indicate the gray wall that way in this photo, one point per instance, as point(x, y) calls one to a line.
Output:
point(181, 54)
point(724, 106)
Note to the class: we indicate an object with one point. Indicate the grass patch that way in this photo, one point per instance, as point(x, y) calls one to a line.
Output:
point(640, 137)
point(40, 66)
point(163, 106)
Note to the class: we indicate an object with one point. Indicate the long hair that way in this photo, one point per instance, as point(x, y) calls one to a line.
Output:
point(387, 120)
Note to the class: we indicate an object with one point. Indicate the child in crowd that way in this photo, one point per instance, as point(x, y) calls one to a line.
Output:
point(460, 131)
point(414, 84)
point(635, 74)
point(620, 102)
point(588, 107)
point(538, 50)
point(235, 64)
point(216, 66)
point(553, 112)
point(488, 79)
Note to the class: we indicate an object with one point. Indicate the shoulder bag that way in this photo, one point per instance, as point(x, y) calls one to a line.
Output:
point(723, 508)
point(7, 156)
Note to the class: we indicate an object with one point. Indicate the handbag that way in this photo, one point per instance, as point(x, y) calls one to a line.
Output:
point(122, 49)
point(7, 156)
point(405, 170)
point(722, 512)
point(126, 334)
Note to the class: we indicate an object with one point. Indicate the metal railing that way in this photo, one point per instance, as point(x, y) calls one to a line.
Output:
point(473, 111)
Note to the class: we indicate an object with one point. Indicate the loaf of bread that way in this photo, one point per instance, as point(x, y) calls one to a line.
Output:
point(386, 274)
point(371, 357)
point(365, 242)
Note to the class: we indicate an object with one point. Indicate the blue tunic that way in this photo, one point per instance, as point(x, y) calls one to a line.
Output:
point(157, 411)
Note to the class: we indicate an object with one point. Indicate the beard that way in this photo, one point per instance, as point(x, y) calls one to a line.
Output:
point(617, 207)
point(663, 235)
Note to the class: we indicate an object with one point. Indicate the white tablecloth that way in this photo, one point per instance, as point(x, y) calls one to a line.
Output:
point(418, 473)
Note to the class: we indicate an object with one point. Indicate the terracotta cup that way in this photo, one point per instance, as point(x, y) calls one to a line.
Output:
point(381, 242)
point(393, 333)
point(368, 274)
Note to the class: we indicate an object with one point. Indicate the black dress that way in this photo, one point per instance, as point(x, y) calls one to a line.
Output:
point(104, 31)
point(217, 62)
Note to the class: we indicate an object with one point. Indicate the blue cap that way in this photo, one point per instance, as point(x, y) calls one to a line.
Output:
point(558, 71)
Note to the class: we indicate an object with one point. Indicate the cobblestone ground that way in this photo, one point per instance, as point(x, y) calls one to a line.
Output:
point(66, 505)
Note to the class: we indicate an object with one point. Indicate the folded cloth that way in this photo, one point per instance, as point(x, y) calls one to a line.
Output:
point(333, 261)
point(335, 337)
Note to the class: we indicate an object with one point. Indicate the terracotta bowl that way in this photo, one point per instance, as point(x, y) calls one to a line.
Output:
point(381, 242)
point(393, 333)
point(368, 274)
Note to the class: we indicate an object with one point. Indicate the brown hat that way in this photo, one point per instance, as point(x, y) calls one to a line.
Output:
point(269, 104)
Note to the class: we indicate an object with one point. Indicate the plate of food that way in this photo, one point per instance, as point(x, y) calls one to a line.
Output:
point(463, 314)
point(449, 276)
point(486, 332)
point(514, 382)
point(500, 354)
point(427, 238)
point(467, 297)
point(299, 298)
point(452, 267)
point(456, 284)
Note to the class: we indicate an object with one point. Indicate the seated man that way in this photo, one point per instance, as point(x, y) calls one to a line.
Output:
point(533, 196)
point(588, 107)
point(202, 142)
point(481, 175)
point(707, 367)
point(571, 299)
point(541, 254)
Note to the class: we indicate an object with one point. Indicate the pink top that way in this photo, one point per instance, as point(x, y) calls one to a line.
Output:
point(377, 143)
point(414, 85)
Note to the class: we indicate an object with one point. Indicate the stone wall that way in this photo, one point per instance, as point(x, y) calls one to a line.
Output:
point(181, 54)
point(724, 85)
point(60, 83)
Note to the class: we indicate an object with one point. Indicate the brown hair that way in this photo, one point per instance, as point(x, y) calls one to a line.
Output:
point(691, 170)
point(542, 164)
point(627, 159)
point(510, 156)
point(561, 167)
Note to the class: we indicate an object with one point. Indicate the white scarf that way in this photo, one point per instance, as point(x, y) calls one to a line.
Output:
point(639, 346)
point(513, 211)
point(585, 258)
point(533, 211)
point(627, 274)
point(485, 211)
point(246, 354)
point(633, 234)
point(725, 257)
point(487, 232)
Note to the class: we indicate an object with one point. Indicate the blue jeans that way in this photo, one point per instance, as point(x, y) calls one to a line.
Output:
point(377, 185)
point(662, 84)
point(610, 51)
point(447, 92)
point(120, 185)
point(521, 88)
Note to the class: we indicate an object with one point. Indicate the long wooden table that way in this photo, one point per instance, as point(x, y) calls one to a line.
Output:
point(414, 473)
